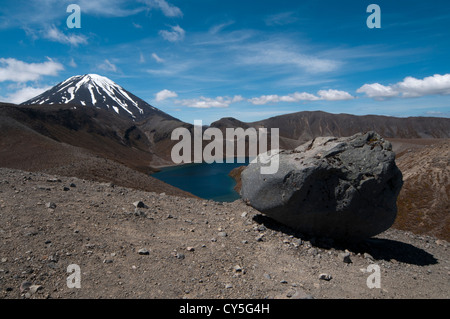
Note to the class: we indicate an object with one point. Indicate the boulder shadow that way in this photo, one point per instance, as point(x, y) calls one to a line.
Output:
point(378, 248)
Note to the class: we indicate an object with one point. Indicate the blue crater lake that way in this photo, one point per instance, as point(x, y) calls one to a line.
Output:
point(207, 181)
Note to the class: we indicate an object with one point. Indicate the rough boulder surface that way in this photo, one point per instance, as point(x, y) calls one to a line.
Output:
point(344, 188)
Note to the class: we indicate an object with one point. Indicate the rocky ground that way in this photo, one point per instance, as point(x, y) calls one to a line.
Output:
point(178, 247)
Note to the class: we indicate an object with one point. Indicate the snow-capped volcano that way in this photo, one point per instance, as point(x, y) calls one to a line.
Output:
point(97, 91)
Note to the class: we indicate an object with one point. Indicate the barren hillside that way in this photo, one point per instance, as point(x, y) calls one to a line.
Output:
point(424, 202)
point(189, 248)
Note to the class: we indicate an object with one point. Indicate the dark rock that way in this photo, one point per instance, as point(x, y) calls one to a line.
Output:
point(325, 277)
point(180, 256)
point(345, 257)
point(143, 251)
point(25, 286)
point(140, 204)
point(53, 180)
point(343, 188)
point(50, 205)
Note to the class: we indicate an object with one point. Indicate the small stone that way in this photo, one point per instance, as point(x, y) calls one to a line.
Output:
point(237, 268)
point(228, 286)
point(222, 234)
point(325, 277)
point(50, 205)
point(139, 213)
point(108, 261)
point(260, 237)
point(300, 294)
point(440, 242)
point(143, 251)
point(298, 242)
point(244, 214)
point(25, 286)
point(53, 180)
point(139, 204)
point(261, 228)
point(4, 260)
point(345, 257)
point(35, 288)
point(180, 256)
point(65, 188)
point(368, 256)
point(190, 249)
point(283, 281)
point(72, 185)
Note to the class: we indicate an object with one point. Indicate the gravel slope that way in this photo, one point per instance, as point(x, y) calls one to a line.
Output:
point(194, 249)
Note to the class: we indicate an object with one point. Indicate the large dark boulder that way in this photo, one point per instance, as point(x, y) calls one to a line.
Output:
point(344, 188)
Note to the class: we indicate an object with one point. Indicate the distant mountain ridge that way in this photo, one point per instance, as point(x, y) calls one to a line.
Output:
point(303, 126)
point(97, 91)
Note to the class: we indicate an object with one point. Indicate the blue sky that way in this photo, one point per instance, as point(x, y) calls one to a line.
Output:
point(208, 59)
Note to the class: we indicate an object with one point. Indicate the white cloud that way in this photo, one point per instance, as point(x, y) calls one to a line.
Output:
point(165, 94)
point(157, 58)
point(264, 99)
point(24, 94)
point(219, 27)
point(107, 66)
point(53, 34)
point(40, 13)
point(409, 87)
point(302, 97)
point(377, 91)
point(167, 9)
point(206, 103)
point(328, 95)
point(237, 99)
point(72, 63)
point(284, 56)
point(177, 34)
point(141, 58)
point(334, 95)
point(281, 19)
point(19, 71)
point(432, 85)
point(112, 8)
